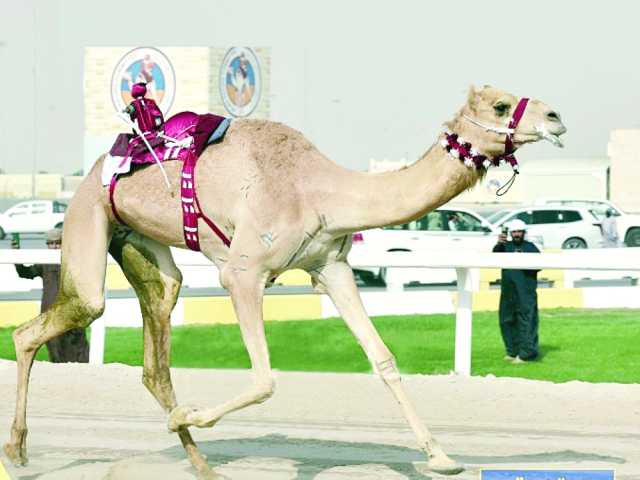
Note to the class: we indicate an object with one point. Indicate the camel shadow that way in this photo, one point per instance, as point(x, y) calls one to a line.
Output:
point(315, 456)
point(312, 457)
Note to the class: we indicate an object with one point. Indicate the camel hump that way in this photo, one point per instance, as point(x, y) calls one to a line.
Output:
point(274, 143)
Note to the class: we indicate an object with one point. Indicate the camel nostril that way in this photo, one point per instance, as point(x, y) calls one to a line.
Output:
point(553, 116)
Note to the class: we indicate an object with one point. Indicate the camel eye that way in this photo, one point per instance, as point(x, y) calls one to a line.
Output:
point(501, 108)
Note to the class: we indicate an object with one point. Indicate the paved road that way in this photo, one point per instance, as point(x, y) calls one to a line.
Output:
point(98, 423)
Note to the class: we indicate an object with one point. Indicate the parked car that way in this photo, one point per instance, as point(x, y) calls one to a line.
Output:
point(36, 216)
point(559, 226)
point(441, 229)
point(628, 223)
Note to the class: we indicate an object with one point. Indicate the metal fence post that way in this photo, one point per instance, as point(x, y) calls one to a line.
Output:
point(462, 364)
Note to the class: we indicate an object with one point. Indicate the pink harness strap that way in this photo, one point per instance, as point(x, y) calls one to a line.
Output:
point(518, 112)
point(112, 189)
point(184, 137)
point(191, 210)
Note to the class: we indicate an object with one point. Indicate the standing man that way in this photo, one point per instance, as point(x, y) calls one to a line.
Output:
point(71, 346)
point(518, 299)
point(609, 228)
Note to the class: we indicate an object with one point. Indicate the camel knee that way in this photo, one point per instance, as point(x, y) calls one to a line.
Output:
point(234, 276)
point(77, 312)
point(265, 390)
point(66, 313)
point(229, 277)
point(92, 309)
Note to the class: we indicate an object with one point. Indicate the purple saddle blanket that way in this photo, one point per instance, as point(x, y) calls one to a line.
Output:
point(184, 133)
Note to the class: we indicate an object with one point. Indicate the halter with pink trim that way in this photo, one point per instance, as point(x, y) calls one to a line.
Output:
point(459, 148)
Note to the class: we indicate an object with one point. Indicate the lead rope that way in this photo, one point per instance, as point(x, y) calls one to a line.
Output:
point(507, 186)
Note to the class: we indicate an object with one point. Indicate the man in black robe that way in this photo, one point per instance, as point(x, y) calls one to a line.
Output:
point(71, 346)
point(518, 299)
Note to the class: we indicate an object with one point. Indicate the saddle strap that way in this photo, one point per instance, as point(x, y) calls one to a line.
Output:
point(191, 210)
point(112, 189)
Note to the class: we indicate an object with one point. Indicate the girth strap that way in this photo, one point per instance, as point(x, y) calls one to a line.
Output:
point(112, 189)
point(191, 210)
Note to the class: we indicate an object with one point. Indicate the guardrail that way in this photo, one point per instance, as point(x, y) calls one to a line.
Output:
point(466, 264)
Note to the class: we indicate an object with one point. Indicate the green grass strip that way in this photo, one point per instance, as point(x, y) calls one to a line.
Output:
point(576, 344)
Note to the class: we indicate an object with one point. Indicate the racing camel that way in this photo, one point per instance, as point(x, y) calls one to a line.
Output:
point(283, 205)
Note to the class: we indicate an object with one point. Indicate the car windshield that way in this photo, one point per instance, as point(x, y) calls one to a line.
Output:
point(497, 216)
point(444, 221)
point(597, 208)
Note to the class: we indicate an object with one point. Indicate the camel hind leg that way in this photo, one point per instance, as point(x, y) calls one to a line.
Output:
point(80, 300)
point(151, 271)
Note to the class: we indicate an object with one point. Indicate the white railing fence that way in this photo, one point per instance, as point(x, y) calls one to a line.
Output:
point(466, 264)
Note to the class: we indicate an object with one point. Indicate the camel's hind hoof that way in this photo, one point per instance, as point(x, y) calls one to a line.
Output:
point(17, 455)
point(179, 417)
point(445, 466)
point(211, 475)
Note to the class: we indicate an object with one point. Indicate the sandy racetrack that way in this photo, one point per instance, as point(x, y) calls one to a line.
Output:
point(89, 422)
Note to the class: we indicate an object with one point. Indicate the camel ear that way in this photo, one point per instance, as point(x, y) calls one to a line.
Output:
point(472, 98)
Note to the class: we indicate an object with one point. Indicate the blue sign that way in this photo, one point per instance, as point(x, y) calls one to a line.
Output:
point(547, 475)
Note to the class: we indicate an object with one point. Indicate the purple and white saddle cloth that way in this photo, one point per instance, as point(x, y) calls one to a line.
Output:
point(183, 137)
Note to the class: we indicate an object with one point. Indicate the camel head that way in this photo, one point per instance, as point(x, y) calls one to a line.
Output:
point(488, 118)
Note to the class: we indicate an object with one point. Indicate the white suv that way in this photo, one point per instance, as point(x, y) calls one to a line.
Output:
point(628, 223)
point(441, 229)
point(559, 226)
point(35, 216)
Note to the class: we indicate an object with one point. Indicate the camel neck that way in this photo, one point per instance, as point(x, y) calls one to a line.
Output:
point(377, 199)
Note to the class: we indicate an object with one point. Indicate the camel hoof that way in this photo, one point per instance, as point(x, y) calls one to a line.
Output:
point(443, 465)
point(211, 475)
point(179, 417)
point(17, 455)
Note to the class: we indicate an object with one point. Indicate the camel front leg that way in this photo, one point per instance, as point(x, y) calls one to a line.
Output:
point(245, 283)
point(337, 280)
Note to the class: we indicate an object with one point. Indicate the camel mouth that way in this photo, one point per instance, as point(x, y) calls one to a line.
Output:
point(553, 138)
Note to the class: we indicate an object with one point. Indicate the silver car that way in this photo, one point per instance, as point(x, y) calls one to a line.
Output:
point(558, 226)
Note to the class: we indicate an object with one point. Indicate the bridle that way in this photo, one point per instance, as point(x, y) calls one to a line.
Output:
point(459, 148)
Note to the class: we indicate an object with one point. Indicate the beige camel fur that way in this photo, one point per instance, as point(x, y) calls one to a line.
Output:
point(286, 206)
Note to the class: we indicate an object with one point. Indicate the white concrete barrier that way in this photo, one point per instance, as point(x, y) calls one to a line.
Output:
point(466, 264)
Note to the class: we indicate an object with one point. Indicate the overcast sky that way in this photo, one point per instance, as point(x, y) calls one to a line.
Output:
point(380, 76)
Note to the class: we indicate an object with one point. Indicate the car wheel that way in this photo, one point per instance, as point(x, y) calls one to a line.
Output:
point(574, 243)
point(2, 234)
point(633, 238)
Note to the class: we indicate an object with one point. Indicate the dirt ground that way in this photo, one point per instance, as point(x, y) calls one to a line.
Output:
point(99, 422)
